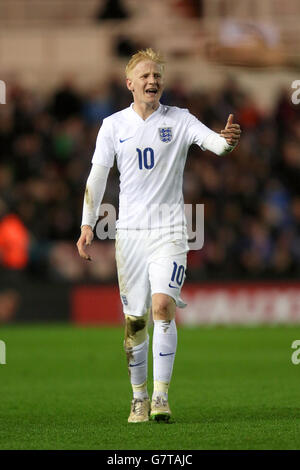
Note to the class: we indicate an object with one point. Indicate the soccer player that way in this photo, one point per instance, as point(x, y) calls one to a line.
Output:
point(150, 143)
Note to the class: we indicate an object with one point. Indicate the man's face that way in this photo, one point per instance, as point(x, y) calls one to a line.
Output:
point(146, 83)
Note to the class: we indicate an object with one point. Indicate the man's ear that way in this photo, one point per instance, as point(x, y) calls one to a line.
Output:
point(129, 84)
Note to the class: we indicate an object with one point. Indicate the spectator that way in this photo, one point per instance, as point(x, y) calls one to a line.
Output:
point(14, 251)
point(112, 10)
point(66, 102)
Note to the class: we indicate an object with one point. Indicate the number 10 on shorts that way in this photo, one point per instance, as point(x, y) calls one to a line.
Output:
point(177, 274)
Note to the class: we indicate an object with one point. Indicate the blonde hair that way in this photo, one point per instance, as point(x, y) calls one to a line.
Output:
point(146, 54)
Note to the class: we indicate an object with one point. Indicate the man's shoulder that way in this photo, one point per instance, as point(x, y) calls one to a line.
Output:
point(175, 111)
point(117, 117)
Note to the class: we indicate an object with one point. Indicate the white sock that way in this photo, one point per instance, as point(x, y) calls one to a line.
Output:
point(137, 358)
point(164, 350)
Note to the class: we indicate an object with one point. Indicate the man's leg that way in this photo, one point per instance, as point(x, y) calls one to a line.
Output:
point(136, 347)
point(136, 298)
point(164, 350)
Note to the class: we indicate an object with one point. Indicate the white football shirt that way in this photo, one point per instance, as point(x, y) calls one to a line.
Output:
point(151, 156)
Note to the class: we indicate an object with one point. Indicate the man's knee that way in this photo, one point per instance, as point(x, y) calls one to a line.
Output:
point(136, 330)
point(163, 307)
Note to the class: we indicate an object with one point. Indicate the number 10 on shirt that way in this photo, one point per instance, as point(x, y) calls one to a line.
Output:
point(146, 158)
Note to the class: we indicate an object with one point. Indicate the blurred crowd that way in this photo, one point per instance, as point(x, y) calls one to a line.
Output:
point(251, 197)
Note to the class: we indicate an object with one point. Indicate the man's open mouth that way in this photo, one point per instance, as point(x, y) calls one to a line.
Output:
point(151, 91)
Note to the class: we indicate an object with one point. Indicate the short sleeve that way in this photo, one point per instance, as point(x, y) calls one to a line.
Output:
point(104, 152)
point(196, 131)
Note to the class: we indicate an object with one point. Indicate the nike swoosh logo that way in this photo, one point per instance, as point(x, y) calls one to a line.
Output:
point(123, 140)
point(138, 364)
point(173, 287)
point(168, 354)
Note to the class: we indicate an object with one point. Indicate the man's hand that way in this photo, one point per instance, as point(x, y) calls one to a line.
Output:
point(231, 132)
point(85, 239)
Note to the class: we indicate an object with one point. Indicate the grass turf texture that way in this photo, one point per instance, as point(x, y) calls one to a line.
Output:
point(67, 388)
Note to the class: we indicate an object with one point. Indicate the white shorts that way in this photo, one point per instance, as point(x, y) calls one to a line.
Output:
point(149, 264)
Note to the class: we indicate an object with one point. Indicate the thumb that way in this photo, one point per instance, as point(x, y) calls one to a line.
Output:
point(229, 120)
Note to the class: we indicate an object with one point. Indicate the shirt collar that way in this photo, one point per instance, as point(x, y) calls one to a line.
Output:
point(152, 115)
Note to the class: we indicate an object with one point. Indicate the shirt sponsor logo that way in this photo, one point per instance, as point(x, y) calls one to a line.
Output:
point(124, 299)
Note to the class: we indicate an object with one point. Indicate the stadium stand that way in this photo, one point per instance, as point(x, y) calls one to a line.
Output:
point(63, 66)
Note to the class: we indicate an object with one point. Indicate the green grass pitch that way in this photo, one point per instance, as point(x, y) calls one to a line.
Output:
point(66, 387)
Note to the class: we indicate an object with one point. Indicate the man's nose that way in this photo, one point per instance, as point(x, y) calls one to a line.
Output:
point(153, 80)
